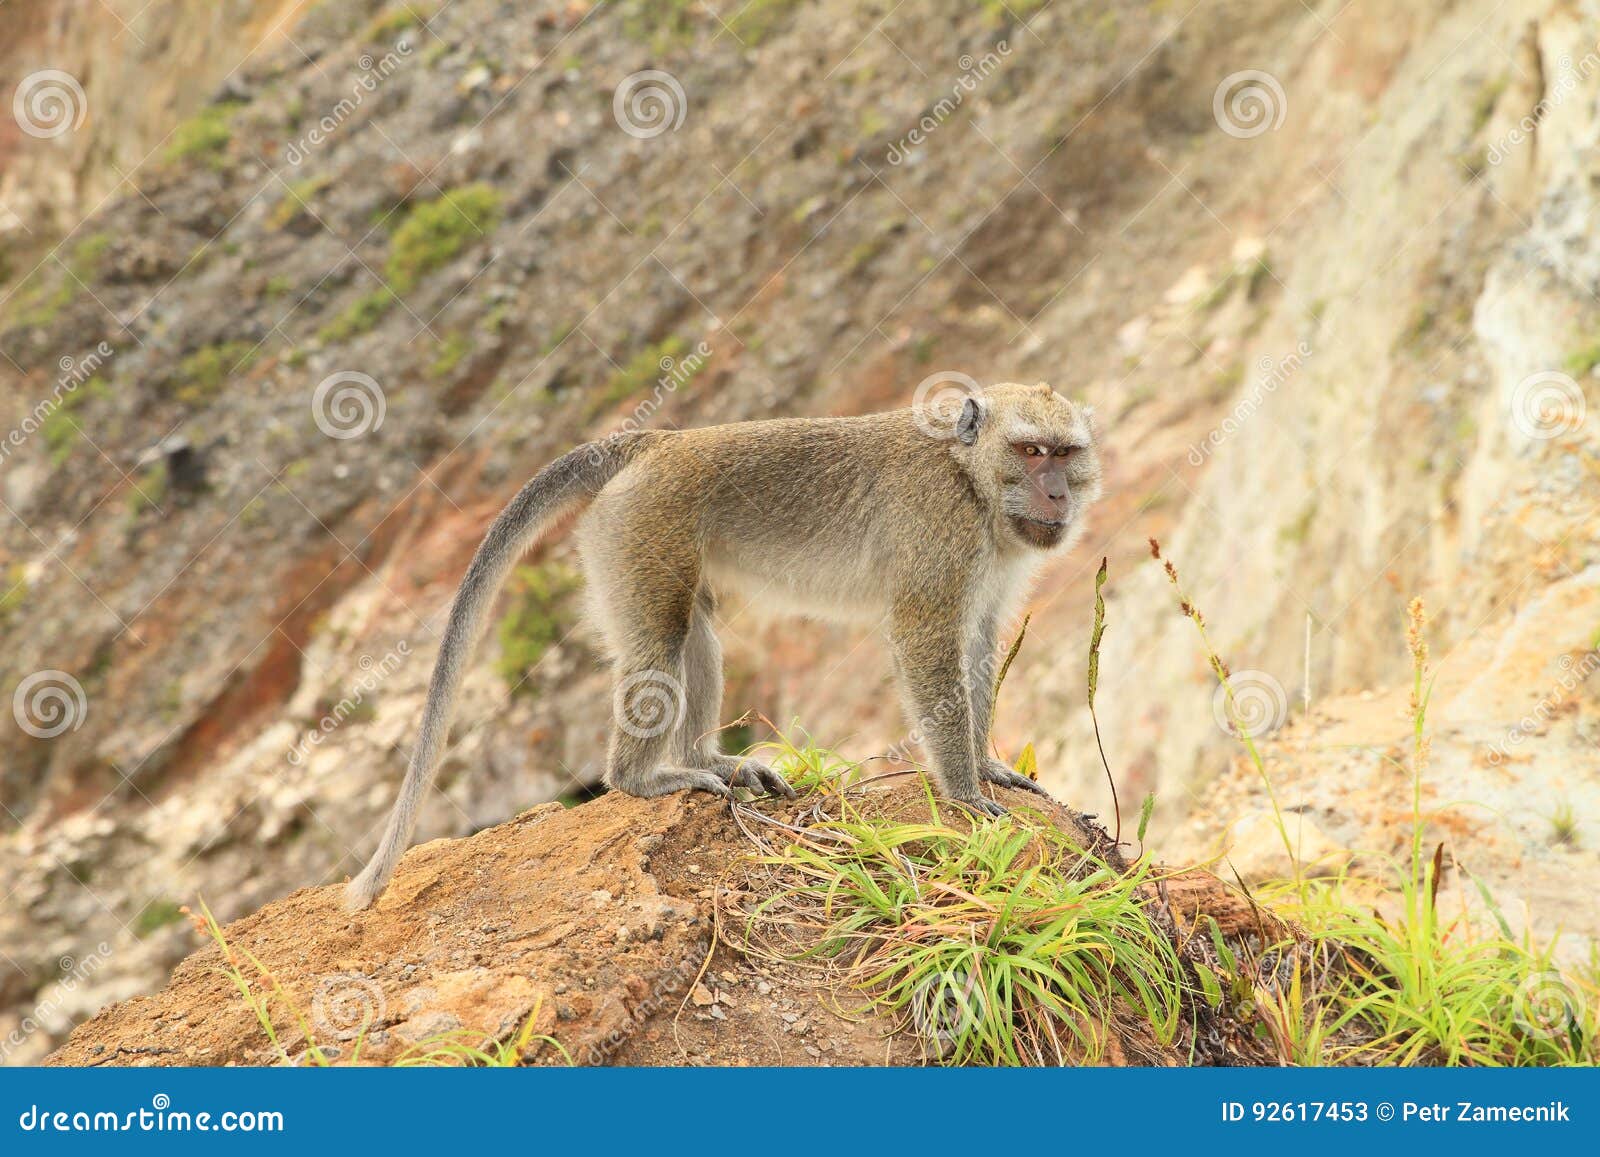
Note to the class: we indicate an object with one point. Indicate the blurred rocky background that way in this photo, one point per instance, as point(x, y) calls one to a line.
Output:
point(294, 295)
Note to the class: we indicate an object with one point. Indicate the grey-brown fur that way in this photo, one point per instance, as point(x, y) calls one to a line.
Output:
point(929, 525)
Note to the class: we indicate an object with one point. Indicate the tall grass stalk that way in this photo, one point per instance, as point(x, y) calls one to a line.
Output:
point(1224, 677)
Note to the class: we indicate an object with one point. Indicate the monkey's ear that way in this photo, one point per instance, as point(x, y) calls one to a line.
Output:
point(969, 421)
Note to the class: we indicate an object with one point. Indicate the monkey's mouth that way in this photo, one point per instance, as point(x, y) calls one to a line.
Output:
point(1040, 531)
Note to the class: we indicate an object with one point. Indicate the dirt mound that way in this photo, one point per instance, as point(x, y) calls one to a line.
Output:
point(592, 925)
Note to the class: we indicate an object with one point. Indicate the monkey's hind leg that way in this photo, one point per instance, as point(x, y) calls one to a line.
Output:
point(649, 705)
point(698, 742)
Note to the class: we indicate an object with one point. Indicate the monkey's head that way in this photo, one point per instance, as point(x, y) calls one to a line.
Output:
point(1032, 453)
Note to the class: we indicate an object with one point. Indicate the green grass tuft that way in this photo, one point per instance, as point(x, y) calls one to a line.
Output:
point(541, 615)
point(363, 313)
point(435, 231)
point(644, 369)
point(156, 915)
point(996, 942)
point(204, 135)
point(61, 427)
point(13, 591)
point(1564, 826)
point(202, 374)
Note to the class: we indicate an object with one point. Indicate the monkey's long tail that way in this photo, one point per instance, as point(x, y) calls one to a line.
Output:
point(571, 478)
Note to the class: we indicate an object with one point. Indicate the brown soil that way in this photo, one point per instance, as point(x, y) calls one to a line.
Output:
point(595, 921)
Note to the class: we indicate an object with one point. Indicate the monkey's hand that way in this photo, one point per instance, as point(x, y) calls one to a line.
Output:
point(991, 770)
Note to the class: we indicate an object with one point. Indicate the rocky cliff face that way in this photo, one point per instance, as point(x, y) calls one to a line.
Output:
point(97, 90)
point(1336, 314)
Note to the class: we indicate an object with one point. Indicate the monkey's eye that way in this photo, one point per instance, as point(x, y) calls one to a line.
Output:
point(1064, 451)
point(1031, 451)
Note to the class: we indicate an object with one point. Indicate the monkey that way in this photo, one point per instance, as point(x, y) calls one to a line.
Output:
point(930, 521)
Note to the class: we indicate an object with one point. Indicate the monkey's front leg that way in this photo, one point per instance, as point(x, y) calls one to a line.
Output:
point(928, 651)
point(981, 672)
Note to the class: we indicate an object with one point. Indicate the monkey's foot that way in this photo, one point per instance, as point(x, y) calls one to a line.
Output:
point(993, 771)
point(743, 771)
point(666, 779)
point(982, 805)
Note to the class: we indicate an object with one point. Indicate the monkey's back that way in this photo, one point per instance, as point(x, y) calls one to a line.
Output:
point(735, 504)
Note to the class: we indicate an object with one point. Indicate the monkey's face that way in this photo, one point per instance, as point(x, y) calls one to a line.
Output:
point(1039, 450)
